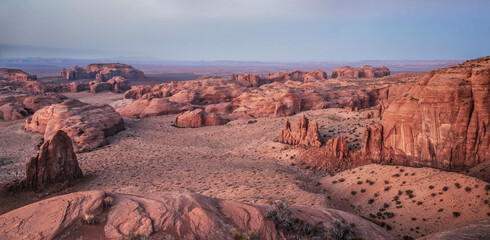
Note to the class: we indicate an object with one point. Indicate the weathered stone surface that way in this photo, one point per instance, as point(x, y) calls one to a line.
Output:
point(305, 133)
point(13, 111)
point(98, 86)
point(16, 75)
point(79, 86)
point(247, 80)
point(337, 148)
point(87, 125)
point(102, 72)
point(300, 76)
point(119, 84)
point(197, 118)
point(163, 216)
point(442, 121)
point(56, 162)
point(142, 108)
point(364, 71)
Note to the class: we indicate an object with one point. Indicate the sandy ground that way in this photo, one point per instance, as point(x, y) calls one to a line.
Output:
point(242, 161)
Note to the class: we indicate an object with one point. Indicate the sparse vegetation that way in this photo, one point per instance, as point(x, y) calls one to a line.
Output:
point(108, 201)
point(237, 235)
point(387, 188)
point(487, 187)
point(353, 192)
point(445, 188)
point(363, 190)
point(431, 187)
point(342, 180)
point(134, 237)
point(457, 185)
point(370, 201)
point(456, 214)
point(359, 182)
point(468, 189)
point(88, 218)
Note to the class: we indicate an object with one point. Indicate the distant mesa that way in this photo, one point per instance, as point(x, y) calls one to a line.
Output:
point(102, 72)
point(16, 75)
point(362, 72)
point(442, 121)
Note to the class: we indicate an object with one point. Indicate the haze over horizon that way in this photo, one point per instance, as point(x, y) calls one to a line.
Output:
point(246, 30)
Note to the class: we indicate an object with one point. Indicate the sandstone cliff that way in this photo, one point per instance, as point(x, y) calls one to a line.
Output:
point(102, 72)
point(364, 71)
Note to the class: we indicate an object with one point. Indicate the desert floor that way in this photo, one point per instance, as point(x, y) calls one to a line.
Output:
point(243, 161)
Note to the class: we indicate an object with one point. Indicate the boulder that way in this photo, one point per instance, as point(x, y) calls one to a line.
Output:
point(87, 125)
point(197, 118)
point(168, 216)
point(440, 122)
point(119, 84)
point(247, 80)
point(362, 72)
point(56, 162)
point(98, 86)
point(305, 133)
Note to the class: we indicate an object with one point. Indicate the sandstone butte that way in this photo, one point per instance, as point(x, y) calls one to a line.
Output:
point(362, 72)
point(197, 118)
point(442, 121)
point(16, 75)
point(305, 133)
point(87, 125)
point(102, 72)
point(56, 163)
point(165, 216)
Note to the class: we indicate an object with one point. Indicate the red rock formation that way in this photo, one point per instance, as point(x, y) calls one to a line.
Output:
point(300, 76)
point(102, 72)
point(136, 92)
point(247, 80)
point(305, 133)
point(16, 75)
point(79, 86)
point(142, 108)
point(87, 125)
point(337, 148)
point(364, 71)
point(164, 216)
point(13, 111)
point(56, 162)
point(119, 84)
point(370, 115)
point(98, 86)
point(197, 118)
point(20, 106)
point(441, 121)
point(372, 141)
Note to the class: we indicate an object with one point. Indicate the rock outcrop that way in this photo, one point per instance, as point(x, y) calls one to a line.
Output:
point(98, 86)
point(337, 148)
point(247, 80)
point(119, 84)
point(305, 133)
point(19, 106)
point(16, 75)
point(166, 216)
point(87, 125)
point(56, 163)
point(362, 72)
point(300, 76)
point(102, 72)
point(142, 108)
point(442, 121)
point(197, 118)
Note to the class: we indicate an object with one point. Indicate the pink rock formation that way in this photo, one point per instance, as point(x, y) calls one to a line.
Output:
point(79, 86)
point(56, 162)
point(197, 118)
point(98, 86)
point(13, 111)
point(102, 72)
point(364, 71)
point(119, 84)
point(163, 216)
point(21, 106)
point(16, 75)
point(152, 107)
point(247, 80)
point(440, 122)
point(305, 133)
point(337, 148)
point(300, 76)
point(87, 125)
point(137, 92)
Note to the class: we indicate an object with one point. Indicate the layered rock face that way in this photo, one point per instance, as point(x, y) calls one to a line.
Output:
point(305, 133)
point(87, 125)
point(164, 216)
point(142, 108)
point(247, 80)
point(337, 148)
point(300, 76)
point(16, 75)
point(197, 118)
point(364, 71)
point(442, 121)
point(56, 162)
point(19, 106)
point(102, 72)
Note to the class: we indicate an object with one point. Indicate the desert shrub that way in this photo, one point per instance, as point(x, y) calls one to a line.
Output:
point(341, 180)
point(400, 192)
point(108, 201)
point(376, 194)
point(370, 182)
point(407, 238)
point(387, 188)
point(281, 215)
point(457, 185)
point(386, 205)
point(440, 209)
point(487, 187)
point(431, 187)
point(419, 203)
point(134, 237)
point(468, 189)
point(370, 201)
point(396, 175)
point(359, 182)
point(353, 192)
point(237, 235)
point(433, 194)
point(363, 190)
point(334, 182)
point(456, 214)
point(402, 170)
point(386, 181)
point(389, 214)
point(88, 218)
point(445, 188)
point(388, 227)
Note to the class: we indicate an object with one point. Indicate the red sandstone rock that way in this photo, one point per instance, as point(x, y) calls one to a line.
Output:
point(305, 133)
point(87, 125)
point(79, 86)
point(102, 72)
point(197, 118)
point(163, 216)
point(441, 121)
point(97, 87)
point(16, 75)
point(119, 84)
point(370, 115)
point(337, 148)
point(364, 71)
point(13, 111)
point(300, 76)
point(56, 162)
point(136, 92)
point(247, 80)
point(152, 107)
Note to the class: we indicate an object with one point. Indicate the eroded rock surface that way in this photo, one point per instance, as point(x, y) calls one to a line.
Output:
point(87, 125)
point(56, 162)
point(16, 75)
point(102, 72)
point(197, 118)
point(165, 216)
point(305, 133)
point(364, 71)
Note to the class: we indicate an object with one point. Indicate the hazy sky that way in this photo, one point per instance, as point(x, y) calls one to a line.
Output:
point(262, 30)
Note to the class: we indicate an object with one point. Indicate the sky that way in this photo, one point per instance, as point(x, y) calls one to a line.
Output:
point(246, 30)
